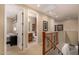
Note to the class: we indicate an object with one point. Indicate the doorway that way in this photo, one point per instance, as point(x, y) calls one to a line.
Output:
point(32, 27)
point(14, 41)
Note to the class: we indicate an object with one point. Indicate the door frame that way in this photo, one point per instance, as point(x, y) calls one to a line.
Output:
point(36, 13)
point(5, 29)
point(5, 32)
point(20, 29)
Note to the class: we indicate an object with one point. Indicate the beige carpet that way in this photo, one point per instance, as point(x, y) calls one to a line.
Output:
point(34, 49)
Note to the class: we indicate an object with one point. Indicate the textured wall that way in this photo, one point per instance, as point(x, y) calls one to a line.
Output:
point(70, 28)
point(72, 37)
point(71, 25)
point(1, 29)
point(9, 25)
point(40, 25)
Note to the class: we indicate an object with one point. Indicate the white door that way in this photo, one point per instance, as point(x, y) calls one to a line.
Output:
point(20, 30)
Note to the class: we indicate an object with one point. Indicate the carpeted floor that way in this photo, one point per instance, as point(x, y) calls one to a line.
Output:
point(33, 49)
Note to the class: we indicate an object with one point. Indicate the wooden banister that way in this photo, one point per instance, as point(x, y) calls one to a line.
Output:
point(51, 38)
point(43, 36)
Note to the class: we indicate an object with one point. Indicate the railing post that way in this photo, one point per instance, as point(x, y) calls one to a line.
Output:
point(43, 36)
point(57, 38)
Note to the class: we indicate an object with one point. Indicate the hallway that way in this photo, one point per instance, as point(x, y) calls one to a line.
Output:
point(47, 24)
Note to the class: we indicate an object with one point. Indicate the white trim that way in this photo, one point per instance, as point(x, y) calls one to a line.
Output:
point(27, 26)
point(24, 29)
point(37, 29)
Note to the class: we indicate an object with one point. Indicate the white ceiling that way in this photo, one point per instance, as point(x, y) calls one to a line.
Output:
point(59, 11)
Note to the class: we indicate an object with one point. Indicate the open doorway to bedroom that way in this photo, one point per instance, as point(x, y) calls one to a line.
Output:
point(14, 29)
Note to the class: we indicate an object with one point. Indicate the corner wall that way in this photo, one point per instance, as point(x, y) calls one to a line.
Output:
point(70, 26)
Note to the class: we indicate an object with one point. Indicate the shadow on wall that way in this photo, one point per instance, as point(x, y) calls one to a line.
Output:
point(71, 37)
point(67, 39)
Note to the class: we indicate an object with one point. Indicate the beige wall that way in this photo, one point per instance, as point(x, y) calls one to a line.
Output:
point(40, 25)
point(11, 22)
point(51, 25)
point(40, 28)
point(71, 37)
point(9, 25)
point(70, 28)
point(71, 25)
point(1, 29)
point(78, 28)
